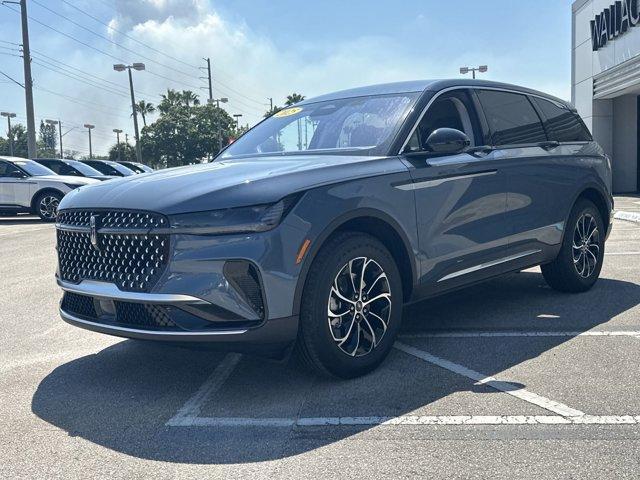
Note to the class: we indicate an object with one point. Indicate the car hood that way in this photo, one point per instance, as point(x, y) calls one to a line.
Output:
point(227, 183)
point(68, 179)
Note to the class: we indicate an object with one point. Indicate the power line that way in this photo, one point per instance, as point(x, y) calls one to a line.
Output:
point(107, 39)
point(127, 36)
point(84, 72)
point(11, 78)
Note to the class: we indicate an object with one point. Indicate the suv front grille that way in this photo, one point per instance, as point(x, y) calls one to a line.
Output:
point(126, 254)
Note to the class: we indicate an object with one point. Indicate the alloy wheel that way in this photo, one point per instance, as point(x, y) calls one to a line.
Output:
point(49, 206)
point(359, 306)
point(586, 245)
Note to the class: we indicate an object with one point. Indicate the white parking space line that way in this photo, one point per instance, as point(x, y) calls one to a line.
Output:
point(506, 387)
point(26, 230)
point(453, 420)
point(490, 334)
point(622, 253)
point(192, 408)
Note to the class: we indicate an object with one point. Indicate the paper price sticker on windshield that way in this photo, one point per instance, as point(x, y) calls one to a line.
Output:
point(288, 112)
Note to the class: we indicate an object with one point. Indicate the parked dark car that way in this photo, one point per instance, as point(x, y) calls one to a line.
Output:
point(72, 167)
point(107, 167)
point(137, 167)
point(313, 229)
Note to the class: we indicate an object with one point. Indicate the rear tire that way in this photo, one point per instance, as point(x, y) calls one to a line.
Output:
point(367, 307)
point(578, 265)
point(46, 206)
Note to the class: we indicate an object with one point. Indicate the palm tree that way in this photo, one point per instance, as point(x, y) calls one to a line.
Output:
point(187, 96)
point(293, 99)
point(144, 109)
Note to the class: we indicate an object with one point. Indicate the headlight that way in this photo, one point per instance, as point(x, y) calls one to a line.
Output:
point(257, 218)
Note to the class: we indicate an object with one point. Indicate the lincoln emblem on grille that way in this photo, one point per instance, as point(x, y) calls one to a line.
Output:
point(93, 225)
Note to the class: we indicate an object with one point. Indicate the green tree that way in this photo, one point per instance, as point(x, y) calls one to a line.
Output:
point(19, 134)
point(293, 99)
point(272, 111)
point(189, 98)
point(123, 152)
point(144, 109)
point(48, 141)
point(185, 134)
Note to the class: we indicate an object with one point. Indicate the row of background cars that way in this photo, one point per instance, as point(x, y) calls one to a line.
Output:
point(37, 186)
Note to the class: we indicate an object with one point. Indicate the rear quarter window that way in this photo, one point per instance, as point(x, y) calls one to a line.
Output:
point(511, 117)
point(562, 124)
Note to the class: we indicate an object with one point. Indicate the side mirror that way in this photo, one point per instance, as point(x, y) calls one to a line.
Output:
point(447, 141)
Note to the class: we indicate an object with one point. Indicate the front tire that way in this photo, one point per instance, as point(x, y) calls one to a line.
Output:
point(46, 206)
point(351, 307)
point(578, 265)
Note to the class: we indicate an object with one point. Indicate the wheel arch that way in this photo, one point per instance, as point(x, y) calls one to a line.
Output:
point(40, 192)
point(380, 226)
point(596, 196)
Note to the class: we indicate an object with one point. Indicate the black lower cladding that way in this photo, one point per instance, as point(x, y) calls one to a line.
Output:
point(146, 316)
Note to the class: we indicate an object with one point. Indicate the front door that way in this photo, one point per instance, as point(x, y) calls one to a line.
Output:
point(460, 199)
point(15, 187)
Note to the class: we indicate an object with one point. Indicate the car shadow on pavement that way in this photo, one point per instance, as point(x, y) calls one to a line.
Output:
point(122, 397)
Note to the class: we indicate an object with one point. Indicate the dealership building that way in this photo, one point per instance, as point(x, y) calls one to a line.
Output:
point(605, 84)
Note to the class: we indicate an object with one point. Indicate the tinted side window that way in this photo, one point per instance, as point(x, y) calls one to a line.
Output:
point(8, 170)
point(450, 110)
point(55, 166)
point(562, 124)
point(511, 117)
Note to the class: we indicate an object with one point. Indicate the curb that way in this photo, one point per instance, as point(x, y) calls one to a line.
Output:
point(628, 216)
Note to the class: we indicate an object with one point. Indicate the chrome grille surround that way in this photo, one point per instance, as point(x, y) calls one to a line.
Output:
point(132, 250)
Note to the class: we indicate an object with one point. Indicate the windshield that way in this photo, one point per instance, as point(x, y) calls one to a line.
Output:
point(33, 168)
point(85, 170)
point(109, 168)
point(360, 126)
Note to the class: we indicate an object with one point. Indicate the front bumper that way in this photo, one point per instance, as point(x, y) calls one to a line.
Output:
point(187, 319)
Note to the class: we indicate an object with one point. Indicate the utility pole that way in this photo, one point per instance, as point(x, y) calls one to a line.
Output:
point(117, 131)
point(271, 104)
point(28, 80)
point(9, 133)
point(208, 60)
point(136, 66)
point(89, 127)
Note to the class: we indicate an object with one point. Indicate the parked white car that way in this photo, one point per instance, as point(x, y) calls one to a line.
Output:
point(27, 186)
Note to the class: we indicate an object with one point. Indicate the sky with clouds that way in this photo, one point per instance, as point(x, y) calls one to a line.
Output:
point(266, 48)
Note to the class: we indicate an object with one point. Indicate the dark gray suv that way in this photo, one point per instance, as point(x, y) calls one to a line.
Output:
point(313, 229)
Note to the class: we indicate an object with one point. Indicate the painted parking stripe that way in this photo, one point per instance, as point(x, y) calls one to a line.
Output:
point(490, 334)
point(506, 387)
point(453, 420)
point(192, 408)
point(622, 253)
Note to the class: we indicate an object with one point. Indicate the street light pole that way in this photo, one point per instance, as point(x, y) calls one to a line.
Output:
point(9, 133)
point(89, 127)
point(136, 66)
point(217, 102)
point(473, 70)
point(117, 131)
point(237, 117)
point(59, 123)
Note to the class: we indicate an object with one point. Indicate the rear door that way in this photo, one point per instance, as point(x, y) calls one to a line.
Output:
point(460, 199)
point(537, 182)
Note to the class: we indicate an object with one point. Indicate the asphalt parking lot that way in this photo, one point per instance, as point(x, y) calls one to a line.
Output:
point(505, 379)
